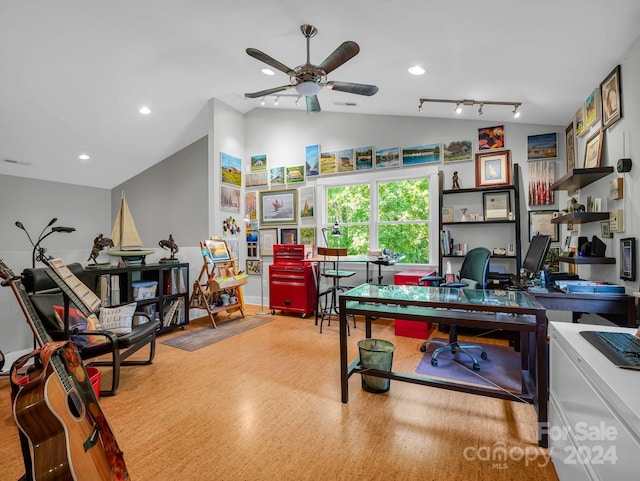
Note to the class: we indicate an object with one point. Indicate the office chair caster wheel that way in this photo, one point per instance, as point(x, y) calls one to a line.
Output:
point(483, 356)
point(423, 348)
point(476, 367)
point(434, 362)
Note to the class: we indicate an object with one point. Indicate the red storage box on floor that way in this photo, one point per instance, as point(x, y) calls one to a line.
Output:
point(417, 329)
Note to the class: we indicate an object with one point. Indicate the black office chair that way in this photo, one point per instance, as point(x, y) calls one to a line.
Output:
point(474, 271)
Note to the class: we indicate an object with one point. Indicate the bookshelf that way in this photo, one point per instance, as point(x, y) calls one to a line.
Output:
point(160, 290)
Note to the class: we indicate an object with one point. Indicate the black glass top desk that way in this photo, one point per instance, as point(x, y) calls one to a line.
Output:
point(487, 309)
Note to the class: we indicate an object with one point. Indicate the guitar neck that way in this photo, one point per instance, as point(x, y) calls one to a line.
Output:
point(39, 331)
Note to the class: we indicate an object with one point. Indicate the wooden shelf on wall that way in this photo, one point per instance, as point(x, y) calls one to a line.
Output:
point(587, 260)
point(580, 217)
point(579, 178)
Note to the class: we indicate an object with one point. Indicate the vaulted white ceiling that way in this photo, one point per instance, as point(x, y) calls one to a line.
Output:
point(73, 73)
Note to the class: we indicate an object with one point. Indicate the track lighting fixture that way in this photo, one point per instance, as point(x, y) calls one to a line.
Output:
point(275, 102)
point(298, 100)
point(481, 104)
point(262, 101)
point(279, 99)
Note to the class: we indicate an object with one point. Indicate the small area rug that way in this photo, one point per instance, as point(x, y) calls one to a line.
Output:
point(194, 340)
point(501, 370)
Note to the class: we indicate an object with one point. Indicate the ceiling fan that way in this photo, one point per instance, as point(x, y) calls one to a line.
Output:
point(309, 79)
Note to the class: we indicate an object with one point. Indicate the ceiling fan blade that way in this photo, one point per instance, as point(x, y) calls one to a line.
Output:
point(360, 89)
point(313, 106)
point(263, 57)
point(339, 56)
point(262, 93)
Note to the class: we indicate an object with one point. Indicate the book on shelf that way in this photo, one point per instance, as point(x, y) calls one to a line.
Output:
point(115, 290)
point(174, 312)
point(182, 280)
point(83, 297)
point(104, 289)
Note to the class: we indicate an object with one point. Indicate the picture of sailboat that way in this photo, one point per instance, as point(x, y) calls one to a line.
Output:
point(127, 242)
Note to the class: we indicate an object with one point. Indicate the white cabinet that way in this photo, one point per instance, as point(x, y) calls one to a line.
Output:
point(594, 409)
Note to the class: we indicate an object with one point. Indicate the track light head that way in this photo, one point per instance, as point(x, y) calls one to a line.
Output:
point(458, 109)
point(420, 106)
point(262, 101)
point(516, 112)
point(275, 102)
point(480, 112)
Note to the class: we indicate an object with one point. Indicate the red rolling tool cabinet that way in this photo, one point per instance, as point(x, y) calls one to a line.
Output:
point(417, 329)
point(292, 282)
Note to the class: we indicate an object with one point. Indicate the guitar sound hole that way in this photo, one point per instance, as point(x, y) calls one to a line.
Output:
point(75, 405)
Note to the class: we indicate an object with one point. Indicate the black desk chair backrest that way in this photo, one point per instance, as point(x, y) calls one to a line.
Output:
point(474, 273)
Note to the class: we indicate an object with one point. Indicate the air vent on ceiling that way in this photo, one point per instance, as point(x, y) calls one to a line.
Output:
point(345, 104)
point(16, 162)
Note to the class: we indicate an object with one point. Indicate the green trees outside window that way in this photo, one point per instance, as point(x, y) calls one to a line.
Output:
point(393, 215)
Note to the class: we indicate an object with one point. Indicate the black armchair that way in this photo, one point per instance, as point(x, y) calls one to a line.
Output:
point(45, 294)
point(473, 272)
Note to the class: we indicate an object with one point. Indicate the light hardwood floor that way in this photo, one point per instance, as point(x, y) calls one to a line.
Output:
point(265, 405)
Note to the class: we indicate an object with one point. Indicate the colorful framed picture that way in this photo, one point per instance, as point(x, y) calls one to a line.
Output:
point(308, 235)
point(345, 161)
point(493, 168)
point(279, 207)
point(490, 138)
point(217, 250)
point(593, 150)
point(628, 259)
point(307, 202)
point(268, 238)
point(542, 147)
point(259, 162)
point(364, 158)
point(288, 236)
point(570, 147)
point(611, 93)
point(256, 179)
point(229, 199)
point(251, 205)
point(387, 158)
point(277, 176)
point(312, 160)
point(540, 223)
point(605, 230)
point(231, 169)
point(592, 108)
point(295, 174)
point(579, 121)
point(254, 267)
point(422, 154)
point(541, 177)
point(458, 151)
point(328, 163)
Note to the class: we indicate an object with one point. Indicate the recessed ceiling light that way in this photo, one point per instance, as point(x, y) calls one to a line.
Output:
point(84, 157)
point(144, 110)
point(416, 70)
point(267, 71)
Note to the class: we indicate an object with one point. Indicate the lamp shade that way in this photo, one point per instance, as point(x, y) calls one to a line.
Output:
point(308, 88)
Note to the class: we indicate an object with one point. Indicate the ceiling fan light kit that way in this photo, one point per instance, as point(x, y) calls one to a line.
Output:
point(309, 79)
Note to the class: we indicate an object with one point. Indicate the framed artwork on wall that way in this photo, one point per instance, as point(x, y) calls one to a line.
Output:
point(279, 207)
point(493, 168)
point(307, 201)
point(288, 236)
point(496, 205)
point(593, 150)
point(491, 138)
point(611, 93)
point(570, 140)
point(231, 169)
point(268, 237)
point(542, 147)
point(579, 122)
point(592, 108)
point(364, 158)
point(540, 222)
point(254, 267)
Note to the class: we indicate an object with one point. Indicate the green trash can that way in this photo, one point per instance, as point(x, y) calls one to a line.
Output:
point(376, 354)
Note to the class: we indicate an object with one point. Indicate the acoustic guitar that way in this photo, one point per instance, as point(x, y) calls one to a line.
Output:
point(67, 434)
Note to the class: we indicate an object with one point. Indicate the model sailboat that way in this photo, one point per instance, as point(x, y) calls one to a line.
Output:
point(125, 237)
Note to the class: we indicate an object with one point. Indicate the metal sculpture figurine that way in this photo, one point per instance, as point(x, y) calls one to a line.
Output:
point(172, 246)
point(99, 243)
point(455, 184)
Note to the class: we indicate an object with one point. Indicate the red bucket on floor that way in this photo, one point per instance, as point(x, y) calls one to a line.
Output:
point(94, 377)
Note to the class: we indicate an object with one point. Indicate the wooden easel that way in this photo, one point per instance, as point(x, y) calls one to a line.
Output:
point(218, 276)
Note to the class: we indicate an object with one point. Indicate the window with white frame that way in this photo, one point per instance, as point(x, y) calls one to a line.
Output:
point(376, 214)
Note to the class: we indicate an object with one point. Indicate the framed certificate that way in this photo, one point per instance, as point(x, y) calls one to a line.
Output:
point(496, 205)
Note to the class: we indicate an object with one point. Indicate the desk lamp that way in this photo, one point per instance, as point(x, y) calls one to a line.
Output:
point(38, 253)
point(335, 232)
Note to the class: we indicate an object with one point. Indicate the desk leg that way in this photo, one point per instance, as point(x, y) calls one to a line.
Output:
point(542, 379)
point(367, 328)
point(344, 366)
